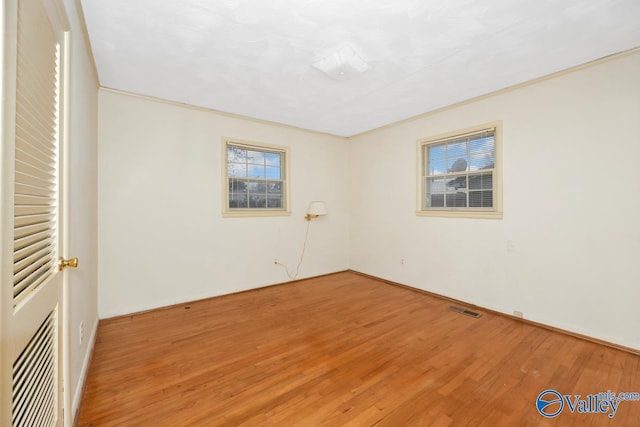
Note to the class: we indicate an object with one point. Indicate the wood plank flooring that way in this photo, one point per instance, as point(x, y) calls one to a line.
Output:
point(341, 350)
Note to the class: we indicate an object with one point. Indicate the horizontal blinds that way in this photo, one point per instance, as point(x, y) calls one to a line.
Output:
point(263, 148)
point(36, 150)
point(458, 171)
point(485, 133)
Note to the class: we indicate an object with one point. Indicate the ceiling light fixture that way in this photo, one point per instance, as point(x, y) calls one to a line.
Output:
point(343, 64)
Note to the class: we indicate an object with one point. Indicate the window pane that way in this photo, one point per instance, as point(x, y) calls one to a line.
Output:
point(482, 161)
point(238, 201)
point(237, 186)
point(274, 187)
point(237, 170)
point(257, 201)
point(274, 201)
point(272, 159)
point(487, 199)
point(255, 157)
point(481, 199)
point(257, 194)
point(475, 199)
point(437, 167)
point(481, 181)
point(275, 197)
point(235, 154)
point(456, 200)
point(437, 152)
point(237, 193)
point(457, 183)
point(257, 187)
point(435, 201)
point(435, 185)
point(456, 150)
point(272, 172)
point(457, 164)
point(256, 171)
point(435, 193)
point(482, 144)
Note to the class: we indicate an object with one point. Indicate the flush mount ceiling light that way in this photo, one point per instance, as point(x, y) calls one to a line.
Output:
point(343, 64)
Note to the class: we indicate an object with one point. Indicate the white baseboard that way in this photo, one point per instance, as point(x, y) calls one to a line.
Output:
point(77, 395)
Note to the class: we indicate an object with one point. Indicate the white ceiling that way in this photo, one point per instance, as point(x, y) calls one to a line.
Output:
point(254, 57)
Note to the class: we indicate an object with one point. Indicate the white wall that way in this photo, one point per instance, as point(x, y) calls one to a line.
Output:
point(571, 185)
point(571, 206)
point(81, 283)
point(162, 238)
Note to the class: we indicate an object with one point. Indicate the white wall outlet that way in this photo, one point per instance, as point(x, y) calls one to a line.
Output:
point(81, 331)
point(402, 261)
point(518, 314)
point(511, 246)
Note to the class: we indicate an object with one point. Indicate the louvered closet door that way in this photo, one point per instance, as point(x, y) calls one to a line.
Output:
point(31, 283)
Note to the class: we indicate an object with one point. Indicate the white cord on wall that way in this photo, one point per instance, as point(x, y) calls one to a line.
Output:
point(293, 274)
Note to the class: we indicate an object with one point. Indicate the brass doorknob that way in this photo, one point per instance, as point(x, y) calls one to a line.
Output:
point(64, 263)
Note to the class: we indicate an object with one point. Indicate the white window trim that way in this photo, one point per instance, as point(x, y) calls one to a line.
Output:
point(258, 212)
point(496, 211)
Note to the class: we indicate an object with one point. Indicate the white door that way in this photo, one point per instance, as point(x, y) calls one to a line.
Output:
point(32, 125)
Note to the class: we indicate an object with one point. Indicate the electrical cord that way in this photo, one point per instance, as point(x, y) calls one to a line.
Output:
point(293, 274)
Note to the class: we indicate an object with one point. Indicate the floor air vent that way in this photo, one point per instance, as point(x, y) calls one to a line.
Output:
point(464, 311)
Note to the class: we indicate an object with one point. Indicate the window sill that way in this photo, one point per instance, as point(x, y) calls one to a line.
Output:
point(251, 213)
point(461, 214)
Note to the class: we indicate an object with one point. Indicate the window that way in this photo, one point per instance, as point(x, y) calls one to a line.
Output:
point(255, 177)
point(460, 174)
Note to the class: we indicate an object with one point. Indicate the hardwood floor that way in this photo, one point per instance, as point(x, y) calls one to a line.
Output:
point(341, 350)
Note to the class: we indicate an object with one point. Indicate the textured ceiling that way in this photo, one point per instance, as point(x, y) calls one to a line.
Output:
point(254, 57)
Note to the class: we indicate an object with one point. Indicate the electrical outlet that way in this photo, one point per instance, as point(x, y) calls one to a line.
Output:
point(402, 261)
point(81, 331)
point(518, 314)
point(511, 246)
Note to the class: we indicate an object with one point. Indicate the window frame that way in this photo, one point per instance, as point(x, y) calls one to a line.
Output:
point(284, 171)
point(460, 212)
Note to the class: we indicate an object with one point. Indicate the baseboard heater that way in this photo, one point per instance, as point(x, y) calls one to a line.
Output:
point(464, 311)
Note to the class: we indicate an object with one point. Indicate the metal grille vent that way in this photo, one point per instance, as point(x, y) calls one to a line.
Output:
point(35, 374)
point(464, 311)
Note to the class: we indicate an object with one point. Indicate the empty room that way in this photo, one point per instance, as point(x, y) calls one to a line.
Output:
point(305, 213)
